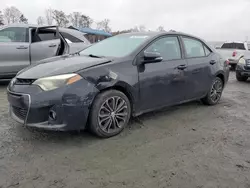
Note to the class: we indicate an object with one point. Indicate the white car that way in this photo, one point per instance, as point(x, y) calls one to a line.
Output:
point(234, 51)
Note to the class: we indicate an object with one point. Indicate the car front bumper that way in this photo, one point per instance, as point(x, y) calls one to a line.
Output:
point(243, 70)
point(32, 107)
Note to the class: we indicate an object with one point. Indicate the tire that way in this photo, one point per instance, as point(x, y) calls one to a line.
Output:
point(106, 119)
point(210, 98)
point(233, 67)
point(241, 78)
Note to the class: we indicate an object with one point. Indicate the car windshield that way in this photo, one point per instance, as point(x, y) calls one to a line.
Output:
point(117, 46)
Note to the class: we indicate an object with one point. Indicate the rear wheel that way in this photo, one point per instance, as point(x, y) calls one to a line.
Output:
point(241, 78)
point(110, 113)
point(215, 92)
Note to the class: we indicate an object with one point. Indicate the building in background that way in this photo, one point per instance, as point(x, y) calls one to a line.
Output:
point(93, 35)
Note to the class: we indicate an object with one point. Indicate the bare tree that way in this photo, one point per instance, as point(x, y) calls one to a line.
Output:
point(1, 19)
point(120, 32)
point(60, 18)
point(22, 19)
point(12, 15)
point(135, 29)
point(140, 28)
point(104, 25)
point(40, 20)
point(160, 28)
point(75, 18)
point(49, 16)
point(85, 21)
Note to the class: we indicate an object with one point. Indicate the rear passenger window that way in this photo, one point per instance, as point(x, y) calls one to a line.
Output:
point(43, 35)
point(194, 48)
point(47, 36)
point(207, 51)
point(168, 47)
point(70, 39)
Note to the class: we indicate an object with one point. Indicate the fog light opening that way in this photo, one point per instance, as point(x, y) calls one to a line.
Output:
point(52, 115)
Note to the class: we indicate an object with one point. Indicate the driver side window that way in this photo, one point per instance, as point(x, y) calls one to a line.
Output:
point(168, 47)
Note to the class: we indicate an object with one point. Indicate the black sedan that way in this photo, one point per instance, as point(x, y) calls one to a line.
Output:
point(122, 76)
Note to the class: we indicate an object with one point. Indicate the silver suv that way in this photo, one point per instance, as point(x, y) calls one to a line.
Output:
point(22, 45)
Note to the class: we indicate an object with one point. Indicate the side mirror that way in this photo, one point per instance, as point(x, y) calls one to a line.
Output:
point(152, 57)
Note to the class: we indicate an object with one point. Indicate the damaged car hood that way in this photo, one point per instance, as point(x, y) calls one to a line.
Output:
point(60, 65)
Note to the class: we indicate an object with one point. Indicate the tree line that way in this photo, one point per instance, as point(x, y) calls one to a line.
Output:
point(12, 15)
point(52, 16)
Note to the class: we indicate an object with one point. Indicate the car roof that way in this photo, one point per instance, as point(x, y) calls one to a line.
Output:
point(153, 34)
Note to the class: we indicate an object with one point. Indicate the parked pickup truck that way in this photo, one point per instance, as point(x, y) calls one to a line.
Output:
point(233, 51)
point(22, 45)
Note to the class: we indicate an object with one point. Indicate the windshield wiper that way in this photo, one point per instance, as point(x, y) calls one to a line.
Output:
point(95, 56)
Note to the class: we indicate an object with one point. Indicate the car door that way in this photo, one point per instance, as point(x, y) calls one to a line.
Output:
point(75, 44)
point(14, 50)
point(45, 44)
point(200, 60)
point(163, 83)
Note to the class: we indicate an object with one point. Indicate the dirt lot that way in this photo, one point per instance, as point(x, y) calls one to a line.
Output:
point(186, 146)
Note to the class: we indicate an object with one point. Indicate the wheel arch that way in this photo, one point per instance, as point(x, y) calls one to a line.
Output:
point(124, 88)
point(221, 75)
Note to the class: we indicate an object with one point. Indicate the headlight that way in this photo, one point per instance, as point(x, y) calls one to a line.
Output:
point(53, 82)
point(242, 61)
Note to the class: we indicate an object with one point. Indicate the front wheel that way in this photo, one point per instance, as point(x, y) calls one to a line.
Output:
point(110, 113)
point(241, 78)
point(215, 92)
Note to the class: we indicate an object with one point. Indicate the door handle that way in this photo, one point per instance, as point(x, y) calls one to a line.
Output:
point(182, 67)
point(52, 45)
point(212, 62)
point(22, 47)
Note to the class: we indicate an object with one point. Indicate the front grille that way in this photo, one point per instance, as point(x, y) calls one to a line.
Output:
point(20, 112)
point(247, 67)
point(21, 81)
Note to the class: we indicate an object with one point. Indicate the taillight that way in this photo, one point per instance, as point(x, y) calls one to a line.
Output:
point(234, 54)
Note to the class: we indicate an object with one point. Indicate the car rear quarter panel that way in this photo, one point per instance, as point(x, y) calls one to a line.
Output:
point(221, 68)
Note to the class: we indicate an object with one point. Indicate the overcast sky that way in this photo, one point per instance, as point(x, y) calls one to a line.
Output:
point(209, 19)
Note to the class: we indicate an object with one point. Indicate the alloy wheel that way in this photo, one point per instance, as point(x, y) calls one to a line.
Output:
point(113, 114)
point(216, 91)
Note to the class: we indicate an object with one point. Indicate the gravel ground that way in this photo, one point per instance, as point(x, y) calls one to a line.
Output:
point(186, 146)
